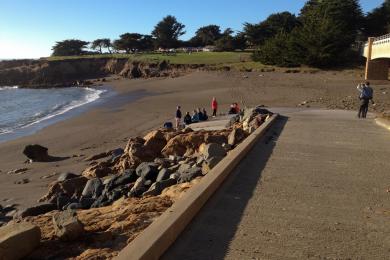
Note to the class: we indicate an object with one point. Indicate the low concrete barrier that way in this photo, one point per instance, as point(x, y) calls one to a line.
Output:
point(160, 235)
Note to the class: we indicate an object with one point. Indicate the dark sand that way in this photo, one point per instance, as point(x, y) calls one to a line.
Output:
point(110, 125)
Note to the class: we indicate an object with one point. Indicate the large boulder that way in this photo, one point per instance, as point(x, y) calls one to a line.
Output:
point(129, 176)
point(236, 136)
point(155, 142)
point(138, 188)
point(37, 153)
point(190, 174)
point(71, 187)
point(213, 150)
point(182, 144)
point(18, 240)
point(66, 225)
point(209, 164)
point(148, 171)
point(37, 210)
point(157, 187)
point(163, 174)
point(93, 188)
point(99, 170)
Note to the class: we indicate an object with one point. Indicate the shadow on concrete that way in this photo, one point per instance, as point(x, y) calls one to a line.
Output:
point(210, 233)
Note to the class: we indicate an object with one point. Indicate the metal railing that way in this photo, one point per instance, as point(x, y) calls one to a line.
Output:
point(383, 37)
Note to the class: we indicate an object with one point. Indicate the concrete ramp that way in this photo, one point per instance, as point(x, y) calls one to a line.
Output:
point(315, 187)
point(217, 123)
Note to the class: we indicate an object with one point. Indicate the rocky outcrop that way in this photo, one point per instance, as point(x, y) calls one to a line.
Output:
point(98, 213)
point(69, 72)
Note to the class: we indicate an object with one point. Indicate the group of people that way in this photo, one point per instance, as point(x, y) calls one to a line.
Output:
point(198, 115)
point(366, 94)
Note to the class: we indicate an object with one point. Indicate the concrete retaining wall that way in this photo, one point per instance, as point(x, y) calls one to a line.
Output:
point(159, 236)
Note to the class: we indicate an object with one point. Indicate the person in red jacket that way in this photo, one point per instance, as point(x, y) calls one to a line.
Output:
point(214, 106)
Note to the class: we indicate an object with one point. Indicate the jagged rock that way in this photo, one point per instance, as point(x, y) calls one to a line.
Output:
point(210, 164)
point(100, 170)
point(93, 188)
point(182, 144)
point(18, 240)
point(69, 187)
point(236, 136)
point(158, 187)
point(213, 150)
point(86, 203)
point(73, 206)
point(66, 225)
point(163, 162)
point(227, 147)
point(37, 210)
point(155, 142)
point(138, 188)
point(127, 177)
point(101, 201)
point(190, 175)
point(199, 161)
point(174, 176)
point(184, 167)
point(148, 171)
point(37, 153)
point(62, 200)
point(174, 167)
point(163, 175)
point(217, 139)
point(67, 176)
point(116, 154)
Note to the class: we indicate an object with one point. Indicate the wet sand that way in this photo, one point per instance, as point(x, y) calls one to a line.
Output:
point(142, 105)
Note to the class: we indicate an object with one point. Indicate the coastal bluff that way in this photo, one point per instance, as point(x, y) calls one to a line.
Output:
point(70, 72)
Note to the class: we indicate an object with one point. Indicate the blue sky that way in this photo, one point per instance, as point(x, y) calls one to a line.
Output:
point(29, 28)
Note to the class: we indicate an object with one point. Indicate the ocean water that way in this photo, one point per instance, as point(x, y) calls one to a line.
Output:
point(22, 108)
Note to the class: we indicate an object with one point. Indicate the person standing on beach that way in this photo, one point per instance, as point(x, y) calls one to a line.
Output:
point(366, 94)
point(178, 117)
point(214, 106)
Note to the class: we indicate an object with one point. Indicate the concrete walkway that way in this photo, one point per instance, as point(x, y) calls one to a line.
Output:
point(316, 187)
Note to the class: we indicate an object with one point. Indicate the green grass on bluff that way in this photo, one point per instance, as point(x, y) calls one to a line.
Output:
point(209, 58)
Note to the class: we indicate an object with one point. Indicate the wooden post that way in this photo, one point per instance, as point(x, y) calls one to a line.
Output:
point(369, 54)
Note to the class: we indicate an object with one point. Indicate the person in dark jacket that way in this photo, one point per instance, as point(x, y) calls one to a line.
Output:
point(187, 119)
point(366, 94)
point(178, 117)
point(205, 116)
point(200, 115)
point(195, 117)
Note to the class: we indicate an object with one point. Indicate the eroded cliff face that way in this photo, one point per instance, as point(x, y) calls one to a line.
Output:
point(44, 73)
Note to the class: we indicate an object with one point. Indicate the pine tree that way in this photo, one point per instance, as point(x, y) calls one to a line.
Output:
point(328, 29)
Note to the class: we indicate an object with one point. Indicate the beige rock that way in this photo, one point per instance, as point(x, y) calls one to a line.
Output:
point(17, 240)
point(67, 227)
point(99, 170)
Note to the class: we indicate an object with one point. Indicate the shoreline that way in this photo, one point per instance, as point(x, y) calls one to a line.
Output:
point(109, 125)
point(59, 116)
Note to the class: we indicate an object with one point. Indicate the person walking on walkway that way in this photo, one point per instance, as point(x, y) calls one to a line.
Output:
point(366, 94)
point(214, 106)
point(178, 117)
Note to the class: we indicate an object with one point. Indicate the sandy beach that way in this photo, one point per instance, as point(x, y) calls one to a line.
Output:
point(144, 104)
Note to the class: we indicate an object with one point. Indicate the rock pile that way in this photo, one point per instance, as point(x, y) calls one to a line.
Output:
point(125, 189)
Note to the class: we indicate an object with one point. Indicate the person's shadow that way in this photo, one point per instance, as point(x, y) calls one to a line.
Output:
point(209, 234)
